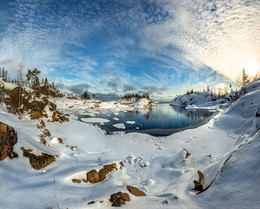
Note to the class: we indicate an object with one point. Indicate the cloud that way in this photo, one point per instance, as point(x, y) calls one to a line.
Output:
point(127, 88)
point(112, 84)
point(75, 89)
point(222, 36)
point(154, 89)
point(107, 96)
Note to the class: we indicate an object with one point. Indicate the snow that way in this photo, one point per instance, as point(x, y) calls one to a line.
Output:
point(130, 122)
point(226, 150)
point(119, 125)
point(95, 120)
point(143, 103)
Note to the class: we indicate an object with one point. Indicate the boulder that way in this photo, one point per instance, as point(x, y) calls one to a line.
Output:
point(119, 199)
point(104, 171)
point(93, 176)
point(8, 138)
point(38, 162)
point(135, 191)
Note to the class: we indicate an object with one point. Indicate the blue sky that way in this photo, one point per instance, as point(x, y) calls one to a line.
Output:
point(113, 47)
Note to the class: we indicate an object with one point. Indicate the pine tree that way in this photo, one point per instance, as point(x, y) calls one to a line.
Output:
point(245, 79)
point(85, 95)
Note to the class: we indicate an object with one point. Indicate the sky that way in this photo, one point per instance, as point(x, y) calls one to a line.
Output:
point(116, 47)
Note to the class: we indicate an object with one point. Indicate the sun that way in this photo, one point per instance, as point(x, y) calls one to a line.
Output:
point(251, 67)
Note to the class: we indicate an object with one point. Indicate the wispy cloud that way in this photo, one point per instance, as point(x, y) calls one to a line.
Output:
point(132, 45)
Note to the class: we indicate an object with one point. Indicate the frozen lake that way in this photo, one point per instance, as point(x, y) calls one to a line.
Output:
point(162, 120)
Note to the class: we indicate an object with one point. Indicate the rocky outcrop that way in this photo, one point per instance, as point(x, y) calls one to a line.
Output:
point(8, 138)
point(119, 199)
point(135, 191)
point(38, 162)
point(58, 117)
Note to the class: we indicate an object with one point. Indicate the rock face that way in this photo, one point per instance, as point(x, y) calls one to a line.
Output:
point(8, 138)
point(38, 162)
point(135, 191)
point(119, 199)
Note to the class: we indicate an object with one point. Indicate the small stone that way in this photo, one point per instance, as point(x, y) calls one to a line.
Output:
point(187, 153)
point(85, 180)
point(91, 202)
point(76, 181)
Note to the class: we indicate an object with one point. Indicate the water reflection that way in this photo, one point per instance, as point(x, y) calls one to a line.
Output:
point(162, 120)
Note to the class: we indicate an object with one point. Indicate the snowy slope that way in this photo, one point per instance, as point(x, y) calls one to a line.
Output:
point(226, 150)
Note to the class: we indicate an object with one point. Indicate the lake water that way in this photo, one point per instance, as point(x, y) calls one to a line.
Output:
point(162, 120)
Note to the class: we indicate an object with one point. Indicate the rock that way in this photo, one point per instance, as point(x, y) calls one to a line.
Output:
point(104, 171)
point(8, 138)
point(125, 196)
point(198, 186)
point(59, 117)
point(91, 202)
point(84, 180)
point(135, 191)
point(41, 125)
point(187, 153)
point(38, 162)
point(76, 181)
point(46, 132)
point(121, 164)
point(95, 177)
point(60, 140)
point(119, 199)
point(35, 115)
point(92, 176)
point(200, 176)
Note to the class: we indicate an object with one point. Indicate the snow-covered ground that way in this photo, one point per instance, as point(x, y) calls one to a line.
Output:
point(226, 150)
point(204, 101)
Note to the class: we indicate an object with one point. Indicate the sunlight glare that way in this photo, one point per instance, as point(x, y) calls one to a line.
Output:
point(251, 67)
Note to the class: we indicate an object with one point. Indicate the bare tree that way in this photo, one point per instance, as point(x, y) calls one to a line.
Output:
point(20, 80)
point(238, 81)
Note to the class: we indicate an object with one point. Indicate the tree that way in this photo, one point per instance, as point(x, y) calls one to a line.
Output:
point(245, 79)
point(20, 80)
point(32, 76)
point(94, 96)
point(85, 95)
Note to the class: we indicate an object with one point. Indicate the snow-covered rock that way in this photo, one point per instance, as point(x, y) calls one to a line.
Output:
point(194, 99)
point(143, 103)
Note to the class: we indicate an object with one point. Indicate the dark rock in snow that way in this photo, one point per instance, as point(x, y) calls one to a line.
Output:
point(119, 199)
point(135, 191)
point(8, 138)
point(38, 162)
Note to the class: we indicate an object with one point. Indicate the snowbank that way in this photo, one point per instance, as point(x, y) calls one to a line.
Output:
point(225, 150)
